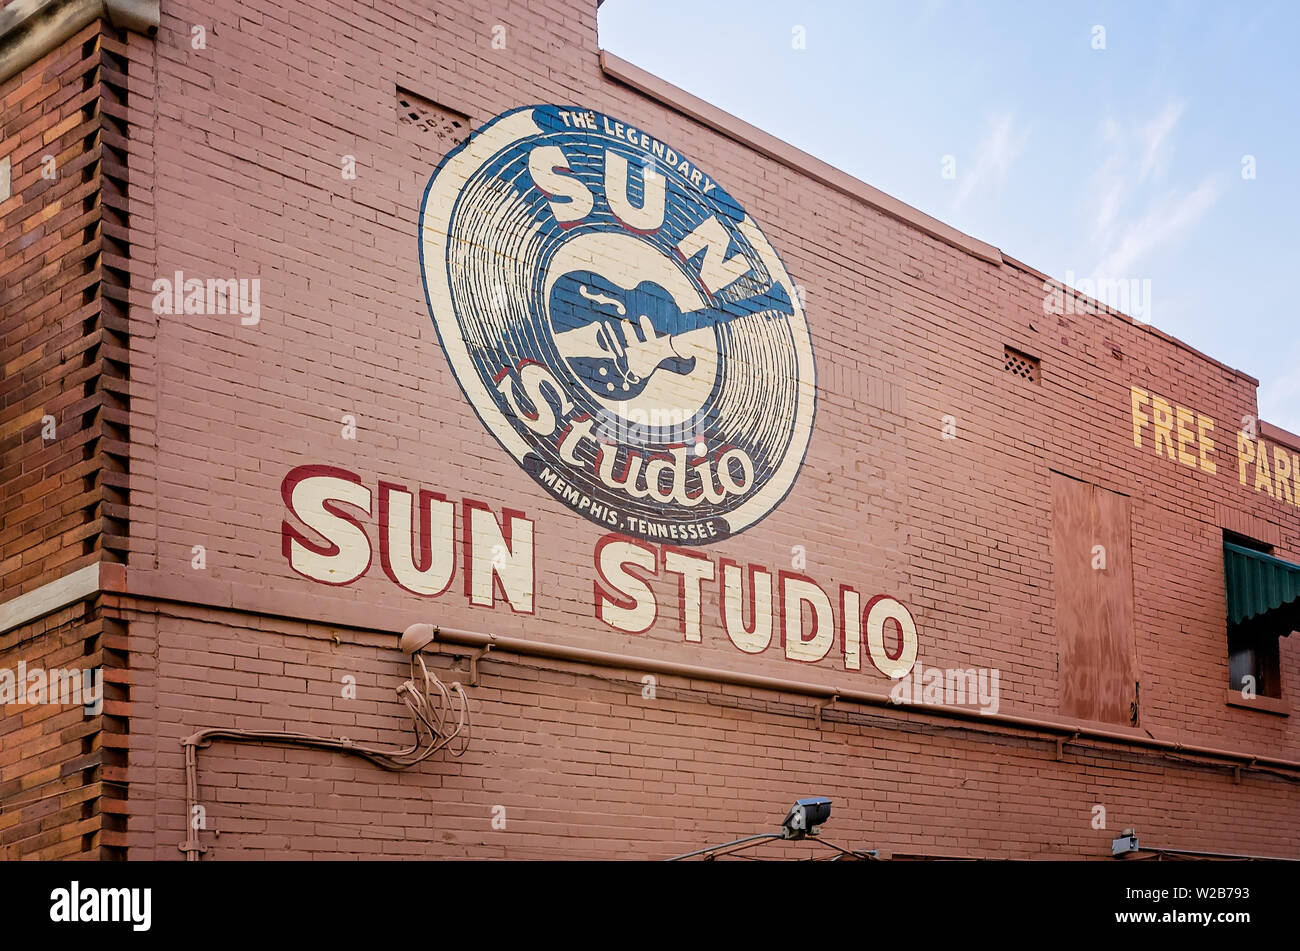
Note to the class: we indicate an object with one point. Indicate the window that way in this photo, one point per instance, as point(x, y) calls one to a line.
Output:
point(1256, 656)
point(1261, 608)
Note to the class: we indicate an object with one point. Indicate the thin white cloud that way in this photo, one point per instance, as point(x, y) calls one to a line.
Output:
point(1171, 218)
point(1127, 226)
point(996, 153)
point(1116, 178)
point(1154, 134)
point(1111, 185)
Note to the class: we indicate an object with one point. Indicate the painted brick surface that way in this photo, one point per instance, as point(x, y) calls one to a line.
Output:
point(585, 767)
point(236, 153)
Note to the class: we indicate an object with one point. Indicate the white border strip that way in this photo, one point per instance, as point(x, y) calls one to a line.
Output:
point(48, 598)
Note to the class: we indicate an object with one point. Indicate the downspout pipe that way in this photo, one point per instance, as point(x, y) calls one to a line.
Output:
point(422, 634)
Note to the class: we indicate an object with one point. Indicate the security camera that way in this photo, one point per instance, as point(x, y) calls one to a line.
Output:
point(806, 817)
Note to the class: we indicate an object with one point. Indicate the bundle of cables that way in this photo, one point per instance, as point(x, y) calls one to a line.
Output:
point(434, 708)
point(431, 708)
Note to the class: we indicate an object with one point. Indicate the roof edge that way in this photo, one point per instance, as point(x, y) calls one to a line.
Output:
point(1279, 435)
point(794, 158)
point(1120, 315)
point(786, 154)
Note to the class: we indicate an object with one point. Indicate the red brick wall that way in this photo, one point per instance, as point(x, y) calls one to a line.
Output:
point(62, 770)
point(235, 173)
point(62, 401)
point(63, 436)
point(586, 767)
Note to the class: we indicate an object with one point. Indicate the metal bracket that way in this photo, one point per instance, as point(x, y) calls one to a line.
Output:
point(1060, 745)
point(187, 848)
point(1236, 771)
point(473, 664)
point(823, 706)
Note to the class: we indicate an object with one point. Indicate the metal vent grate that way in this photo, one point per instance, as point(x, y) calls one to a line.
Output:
point(1021, 364)
point(444, 124)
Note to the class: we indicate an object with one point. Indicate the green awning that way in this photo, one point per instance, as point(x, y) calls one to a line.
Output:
point(1262, 590)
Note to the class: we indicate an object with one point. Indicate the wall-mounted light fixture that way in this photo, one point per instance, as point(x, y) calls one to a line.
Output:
point(805, 819)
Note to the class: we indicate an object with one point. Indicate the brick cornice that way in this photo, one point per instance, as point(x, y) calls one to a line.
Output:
point(31, 28)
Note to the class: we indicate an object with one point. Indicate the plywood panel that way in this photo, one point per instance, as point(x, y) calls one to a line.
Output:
point(1094, 600)
point(1112, 648)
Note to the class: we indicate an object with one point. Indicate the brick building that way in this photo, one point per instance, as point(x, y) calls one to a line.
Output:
point(694, 450)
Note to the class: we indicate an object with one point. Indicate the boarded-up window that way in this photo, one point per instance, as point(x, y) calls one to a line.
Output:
point(1094, 601)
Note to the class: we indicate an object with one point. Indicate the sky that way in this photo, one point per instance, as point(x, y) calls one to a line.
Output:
point(1138, 142)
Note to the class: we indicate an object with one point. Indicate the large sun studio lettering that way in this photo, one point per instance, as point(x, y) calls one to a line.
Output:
point(416, 535)
point(630, 337)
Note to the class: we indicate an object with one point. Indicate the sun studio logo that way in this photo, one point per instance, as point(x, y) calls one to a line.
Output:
point(619, 323)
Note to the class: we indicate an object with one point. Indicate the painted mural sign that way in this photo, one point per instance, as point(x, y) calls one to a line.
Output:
point(619, 323)
point(630, 337)
point(1186, 437)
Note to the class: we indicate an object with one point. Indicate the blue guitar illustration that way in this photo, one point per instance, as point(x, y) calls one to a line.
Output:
point(616, 337)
